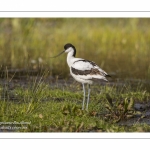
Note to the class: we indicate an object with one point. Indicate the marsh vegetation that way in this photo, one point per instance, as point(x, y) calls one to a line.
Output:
point(39, 90)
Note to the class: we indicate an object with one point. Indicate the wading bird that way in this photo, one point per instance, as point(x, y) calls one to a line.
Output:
point(83, 71)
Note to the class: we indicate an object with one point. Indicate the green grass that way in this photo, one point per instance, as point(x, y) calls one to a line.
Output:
point(45, 108)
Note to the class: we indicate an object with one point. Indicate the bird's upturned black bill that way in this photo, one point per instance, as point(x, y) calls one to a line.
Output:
point(58, 54)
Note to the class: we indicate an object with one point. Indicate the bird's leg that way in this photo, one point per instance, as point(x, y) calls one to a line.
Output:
point(88, 99)
point(83, 96)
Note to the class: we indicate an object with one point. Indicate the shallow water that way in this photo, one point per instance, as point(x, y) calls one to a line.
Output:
point(143, 117)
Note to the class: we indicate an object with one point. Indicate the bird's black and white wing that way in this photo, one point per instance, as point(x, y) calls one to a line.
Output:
point(88, 70)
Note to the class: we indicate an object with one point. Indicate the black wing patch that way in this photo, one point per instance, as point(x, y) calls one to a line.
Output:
point(86, 72)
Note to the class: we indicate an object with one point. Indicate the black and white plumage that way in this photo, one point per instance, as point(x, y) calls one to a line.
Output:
point(83, 71)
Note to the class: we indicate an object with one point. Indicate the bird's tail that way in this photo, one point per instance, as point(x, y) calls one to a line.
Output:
point(107, 75)
point(99, 77)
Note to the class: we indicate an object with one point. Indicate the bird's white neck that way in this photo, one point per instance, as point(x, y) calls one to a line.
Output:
point(70, 58)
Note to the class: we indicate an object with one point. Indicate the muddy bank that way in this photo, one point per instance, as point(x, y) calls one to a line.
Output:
point(143, 115)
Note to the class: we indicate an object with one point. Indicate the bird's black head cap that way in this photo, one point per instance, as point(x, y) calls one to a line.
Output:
point(70, 45)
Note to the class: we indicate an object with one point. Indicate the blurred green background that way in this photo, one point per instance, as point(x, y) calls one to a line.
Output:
point(120, 46)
